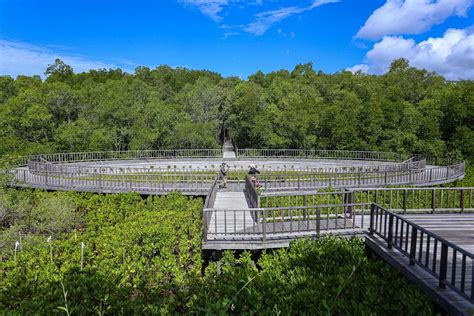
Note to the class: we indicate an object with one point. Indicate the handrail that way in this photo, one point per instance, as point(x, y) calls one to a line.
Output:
point(38, 165)
point(322, 154)
point(420, 199)
point(348, 179)
point(408, 238)
point(209, 203)
point(130, 154)
point(116, 183)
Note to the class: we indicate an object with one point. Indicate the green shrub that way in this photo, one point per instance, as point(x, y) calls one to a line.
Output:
point(329, 276)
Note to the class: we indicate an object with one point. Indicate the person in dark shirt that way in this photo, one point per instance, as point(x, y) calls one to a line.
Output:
point(253, 171)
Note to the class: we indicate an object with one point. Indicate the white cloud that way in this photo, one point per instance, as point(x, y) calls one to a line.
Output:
point(18, 58)
point(211, 8)
point(397, 17)
point(451, 55)
point(265, 20)
point(359, 67)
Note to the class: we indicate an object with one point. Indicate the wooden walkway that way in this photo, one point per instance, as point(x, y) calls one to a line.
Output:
point(228, 150)
point(426, 271)
point(423, 250)
point(456, 228)
point(223, 221)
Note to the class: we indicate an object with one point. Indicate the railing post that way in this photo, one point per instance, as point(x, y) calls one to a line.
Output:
point(299, 181)
point(404, 201)
point(204, 224)
point(390, 231)
point(305, 210)
point(443, 267)
point(318, 222)
point(433, 200)
point(462, 200)
point(372, 218)
point(264, 225)
point(414, 232)
point(46, 175)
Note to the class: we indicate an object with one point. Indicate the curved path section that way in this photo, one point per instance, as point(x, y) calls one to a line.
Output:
point(193, 171)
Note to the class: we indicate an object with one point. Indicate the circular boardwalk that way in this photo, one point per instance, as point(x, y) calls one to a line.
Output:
point(195, 171)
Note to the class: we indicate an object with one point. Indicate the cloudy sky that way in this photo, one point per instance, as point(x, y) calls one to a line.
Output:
point(237, 37)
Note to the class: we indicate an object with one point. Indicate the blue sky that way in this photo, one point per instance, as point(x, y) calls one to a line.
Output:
point(236, 37)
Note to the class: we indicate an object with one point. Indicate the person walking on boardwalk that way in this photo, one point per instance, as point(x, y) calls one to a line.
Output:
point(253, 171)
point(223, 175)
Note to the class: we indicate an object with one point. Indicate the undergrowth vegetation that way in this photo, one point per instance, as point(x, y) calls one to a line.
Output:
point(144, 256)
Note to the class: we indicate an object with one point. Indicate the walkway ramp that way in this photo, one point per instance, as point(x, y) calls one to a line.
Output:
point(228, 150)
point(228, 222)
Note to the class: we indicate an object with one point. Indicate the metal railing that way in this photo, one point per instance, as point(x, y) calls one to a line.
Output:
point(297, 215)
point(116, 183)
point(345, 179)
point(421, 200)
point(129, 155)
point(450, 264)
point(40, 165)
point(209, 203)
point(322, 154)
point(261, 224)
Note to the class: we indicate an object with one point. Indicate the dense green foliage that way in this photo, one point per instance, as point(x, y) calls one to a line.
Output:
point(406, 110)
point(143, 256)
point(329, 276)
point(139, 254)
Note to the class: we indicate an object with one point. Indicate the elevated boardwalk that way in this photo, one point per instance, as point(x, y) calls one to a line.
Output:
point(228, 150)
point(229, 222)
point(436, 255)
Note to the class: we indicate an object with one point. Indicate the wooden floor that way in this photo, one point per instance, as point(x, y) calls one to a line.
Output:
point(456, 228)
point(223, 221)
point(228, 150)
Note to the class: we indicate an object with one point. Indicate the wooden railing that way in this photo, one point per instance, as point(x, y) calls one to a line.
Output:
point(446, 261)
